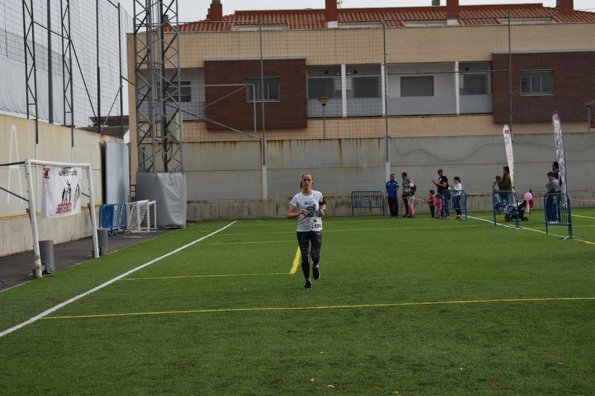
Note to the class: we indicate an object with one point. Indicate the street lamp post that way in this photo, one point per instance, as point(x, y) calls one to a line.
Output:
point(323, 101)
point(589, 105)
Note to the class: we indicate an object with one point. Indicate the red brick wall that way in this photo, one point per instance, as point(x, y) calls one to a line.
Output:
point(232, 110)
point(574, 83)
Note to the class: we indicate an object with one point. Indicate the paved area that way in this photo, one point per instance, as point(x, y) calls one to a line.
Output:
point(18, 268)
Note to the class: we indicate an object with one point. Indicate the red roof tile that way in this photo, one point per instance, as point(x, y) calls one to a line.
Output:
point(315, 18)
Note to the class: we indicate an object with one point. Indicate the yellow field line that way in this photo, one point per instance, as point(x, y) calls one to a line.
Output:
point(296, 262)
point(199, 276)
point(323, 307)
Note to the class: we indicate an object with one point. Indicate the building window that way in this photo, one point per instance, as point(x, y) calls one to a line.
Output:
point(319, 87)
point(366, 87)
point(537, 82)
point(185, 91)
point(171, 92)
point(474, 78)
point(474, 84)
point(267, 89)
point(417, 86)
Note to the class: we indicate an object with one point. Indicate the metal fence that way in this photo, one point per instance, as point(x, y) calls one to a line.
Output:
point(557, 212)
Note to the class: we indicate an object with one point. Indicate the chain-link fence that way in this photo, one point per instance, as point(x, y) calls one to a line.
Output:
point(68, 68)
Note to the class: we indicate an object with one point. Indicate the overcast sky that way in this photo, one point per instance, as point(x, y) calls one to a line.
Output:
point(194, 10)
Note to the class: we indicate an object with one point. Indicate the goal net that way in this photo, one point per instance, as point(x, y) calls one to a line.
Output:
point(142, 216)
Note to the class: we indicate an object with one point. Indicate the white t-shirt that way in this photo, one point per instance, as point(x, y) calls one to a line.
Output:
point(457, 187)
point(311, 220)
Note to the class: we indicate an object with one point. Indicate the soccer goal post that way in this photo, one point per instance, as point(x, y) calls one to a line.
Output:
point(66, 197)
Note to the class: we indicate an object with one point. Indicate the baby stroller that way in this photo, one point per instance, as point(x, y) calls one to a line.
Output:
point(513, 212)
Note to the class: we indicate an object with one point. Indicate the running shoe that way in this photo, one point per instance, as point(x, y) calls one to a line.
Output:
point(316, 272)
point(308, 284)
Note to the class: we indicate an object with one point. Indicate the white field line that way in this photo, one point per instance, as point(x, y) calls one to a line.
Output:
point(531, 229)
point(109, 282)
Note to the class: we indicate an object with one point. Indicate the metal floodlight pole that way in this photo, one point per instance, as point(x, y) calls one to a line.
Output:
point(30, 63)
point(67, 83)
point(157, 88)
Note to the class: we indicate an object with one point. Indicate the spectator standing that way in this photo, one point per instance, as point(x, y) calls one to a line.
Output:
point(556, 171)
point(552, 191)
point(505, 187)
point(391, 187)
point(432, 203)
point(405, 182)
point(457, 188)
point(442, 188)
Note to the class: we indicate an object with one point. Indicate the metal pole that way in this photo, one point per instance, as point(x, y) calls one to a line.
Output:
point(589, 104)
point(50, 80)
point(265, 191)
point(33, 219)
point(510, 97)
point(324, 122)
point(262, 85)
point(98, 68)
point(120, 70)
point(92, 209)
point(386, 137)
point(165, 87)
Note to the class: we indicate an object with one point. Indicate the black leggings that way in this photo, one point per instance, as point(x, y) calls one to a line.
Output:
point(310, 243)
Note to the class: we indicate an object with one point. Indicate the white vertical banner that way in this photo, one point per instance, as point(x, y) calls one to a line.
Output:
point(61, 191)
point(509, 153)
point(560, 155)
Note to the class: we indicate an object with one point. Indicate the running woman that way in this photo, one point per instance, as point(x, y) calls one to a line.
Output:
point(309, 206)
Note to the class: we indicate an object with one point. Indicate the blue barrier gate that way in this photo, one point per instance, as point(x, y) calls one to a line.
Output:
point(113, 218)
point(557, 211)
point(367, 200)
point(457, 200)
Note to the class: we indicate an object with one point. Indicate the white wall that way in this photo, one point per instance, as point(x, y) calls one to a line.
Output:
point(17, 143)
point(225, 179)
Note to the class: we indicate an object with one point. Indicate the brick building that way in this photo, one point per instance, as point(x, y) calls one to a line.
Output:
point(438, 70)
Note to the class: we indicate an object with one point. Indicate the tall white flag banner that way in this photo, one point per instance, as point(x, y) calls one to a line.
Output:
point(560, 155)
point(61, 191)
point(509, 154)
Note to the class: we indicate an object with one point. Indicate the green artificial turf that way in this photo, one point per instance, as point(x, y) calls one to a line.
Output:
point(404, 306)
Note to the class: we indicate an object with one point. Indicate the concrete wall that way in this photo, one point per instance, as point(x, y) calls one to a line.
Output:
point(17, 143)
point(225, 180)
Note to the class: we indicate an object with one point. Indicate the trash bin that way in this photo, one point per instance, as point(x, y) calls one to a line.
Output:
point(102, 234)
point(46, 254)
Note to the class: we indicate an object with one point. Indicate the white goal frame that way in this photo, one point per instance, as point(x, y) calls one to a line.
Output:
point(32, 204)
point(142, 221)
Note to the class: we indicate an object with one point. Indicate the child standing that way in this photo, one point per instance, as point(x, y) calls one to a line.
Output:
point(432, 202)
point(438, 204)
point(456, 196)
point(411, 198)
